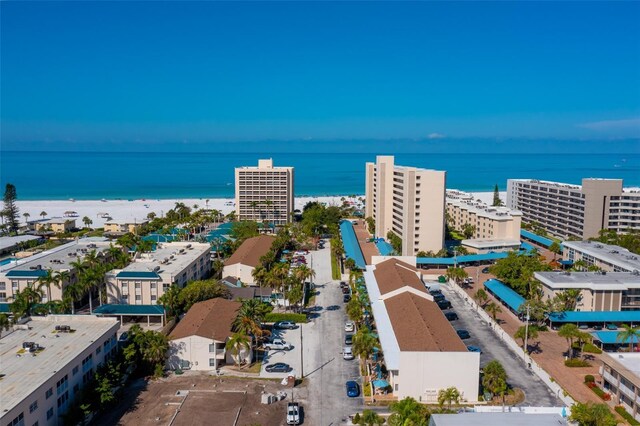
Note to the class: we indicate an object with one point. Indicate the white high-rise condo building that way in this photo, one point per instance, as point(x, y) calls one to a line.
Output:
point(264, 193)
point(581, 211)
point(408, 201)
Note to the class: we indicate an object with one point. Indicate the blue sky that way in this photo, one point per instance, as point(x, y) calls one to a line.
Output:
point(100, 73)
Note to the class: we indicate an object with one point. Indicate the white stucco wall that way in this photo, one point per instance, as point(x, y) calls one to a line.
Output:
point(194, 349)
point(423, 374)
point(238, 270)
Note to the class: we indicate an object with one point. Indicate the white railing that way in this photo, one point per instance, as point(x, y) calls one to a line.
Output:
point(515, 348)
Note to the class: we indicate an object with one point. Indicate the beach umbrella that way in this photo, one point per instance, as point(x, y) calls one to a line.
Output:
point(380, 383)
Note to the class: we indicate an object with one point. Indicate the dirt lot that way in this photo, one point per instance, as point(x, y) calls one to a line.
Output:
point(203, 400)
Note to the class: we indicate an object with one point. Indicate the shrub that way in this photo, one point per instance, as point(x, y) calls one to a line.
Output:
point(576, 362)
point(591, 348)
point(591, 385)
point(589, 378)
point(273, 317)
point(628, 417)
point(366, 391)
point(605, 396)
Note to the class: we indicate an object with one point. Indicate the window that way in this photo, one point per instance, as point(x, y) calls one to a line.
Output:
point(61, 385)
point(76, 388)
point(18, 421)
point(49, 413)
point(98, 350)
point(35, 424)
point(212, 347)
point(34, 406)
point(3, 286)
point(63, 399)
point(212, 362)
point(75, 370)
point(3, 296)
point(48, 393)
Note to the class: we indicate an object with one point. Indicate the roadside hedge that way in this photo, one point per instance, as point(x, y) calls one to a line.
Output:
point(576, 362)
point(273, 317)
point(602, 394)
point(628, 417)
point(591, 348)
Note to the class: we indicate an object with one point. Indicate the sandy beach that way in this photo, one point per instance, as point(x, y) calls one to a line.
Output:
point(137, 210)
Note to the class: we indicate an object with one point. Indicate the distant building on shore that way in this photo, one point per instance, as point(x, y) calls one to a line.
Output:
point(607, 257)
point(408, 201)
point(265, 193)
point(121, 227)
point(57, 225)
point(580, 211)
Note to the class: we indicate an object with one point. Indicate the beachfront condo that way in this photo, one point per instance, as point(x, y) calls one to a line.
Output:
point(407, 201)
point(264, 193)
point(579, 211)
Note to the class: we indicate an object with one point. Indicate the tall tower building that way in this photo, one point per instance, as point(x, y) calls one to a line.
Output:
point(408, 201)
point(264, 193)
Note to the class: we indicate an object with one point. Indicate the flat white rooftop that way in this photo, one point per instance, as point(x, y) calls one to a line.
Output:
point(466, 201)
point(496, 419)
point(488, 242)
point(170, 258)
point(614, 255)
point(630, 361)
point(591, 280)
point(26, 373)
point(7, 242)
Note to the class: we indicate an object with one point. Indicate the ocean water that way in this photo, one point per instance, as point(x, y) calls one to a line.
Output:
point(111, 175)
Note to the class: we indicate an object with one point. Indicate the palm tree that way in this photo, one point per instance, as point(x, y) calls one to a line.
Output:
point(456, 274)
point(155, 347)
point(87, 221)
point(279, 274)
point(448, 396)
point(268, 203)
point(47, 281)
point(555, 249)
point(5, 324)
point(354, 309)
point(364, 343)
point(253, 205)
point(43, 214)
point(630, 333)
point(26, 217)
point(171, 300)
point(260, 275)
point(370, 418)
point(481, 297)
point(407, 412)
point(71, 293)
point(304, 273)
point(25, 301)
point(569, 332)
point(494, 378)
point(236, 344)
point(493, 309)
point(250, 316)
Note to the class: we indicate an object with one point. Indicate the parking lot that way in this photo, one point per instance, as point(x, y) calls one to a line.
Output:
point(291, 357)
point(484, 337)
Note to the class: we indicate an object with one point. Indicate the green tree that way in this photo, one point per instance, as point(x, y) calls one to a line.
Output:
point(350, 264)
point(630, 333)
point(517, 271)
point(395, 241)
point(354, 310)
point(171, 301)
point(87, 221)
point(522, 332)
point(11, 212)
point(240, 231)
point(236, 343)
point(370, 418)
point(364, 343)
point(590, 414)
point(494, 378)
point(26, 217)
point(25, 301)
point(493, 309)
point(566, 300)
point(448, 396)
point(555, 248)
point(43, 214)
point(5, 324)
point(46, 281)
point(250, 317)
point(496, 197)
point(456, 274)
point(198, 291)
point(408, 412)
point(469, 230)
point(570, 333)
point(481, 297)
point(371, 225)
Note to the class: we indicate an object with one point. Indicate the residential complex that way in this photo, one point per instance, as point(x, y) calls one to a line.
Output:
point(608, 258)
point(422, 351)
point(611, 291)
point(580, 211)
point(198, 341)
point(47, 361)
point(56, 225)
point(16, 276)
point(11, 244)
point(121, 227)
point(621, 377)
point(264, 193)
point(408, 201)
point(148, 277)
point(244, 260)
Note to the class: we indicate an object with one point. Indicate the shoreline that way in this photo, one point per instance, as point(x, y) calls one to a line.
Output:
point(136, 210)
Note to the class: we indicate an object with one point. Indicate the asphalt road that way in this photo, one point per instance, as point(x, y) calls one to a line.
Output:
point(484, 337)
point(325, 370)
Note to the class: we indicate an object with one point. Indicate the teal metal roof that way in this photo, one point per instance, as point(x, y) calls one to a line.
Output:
point(505, 293)
point(129, 310)
point(350, 243)
point(139, 275)
point(598, 316)
point(460, 259)
point(611, 337)
point(33, 273)
point(158, 238)
point(5, 308)
point(546, 242)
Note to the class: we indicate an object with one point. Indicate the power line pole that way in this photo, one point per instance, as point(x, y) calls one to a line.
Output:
point(526, 330)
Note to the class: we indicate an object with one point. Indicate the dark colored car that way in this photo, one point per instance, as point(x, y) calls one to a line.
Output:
point(353, 389)
point(439, 297)
point(348, 339)
point(451, 316)
point(434, 292)
point(474, 349)
point(485, 270)
point(345, 290)
point(612, 327)
point(343, 284)
point(463, 334)
point(278, 367)
point(444, 304)
point(597, 327)
point(346, 298)
point(583, 327)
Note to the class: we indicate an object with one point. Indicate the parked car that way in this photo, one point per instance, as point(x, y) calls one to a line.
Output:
point(293, 413)
point(353, 389)
point(439, 297)
point(444, 304)
point(278, 344)
point(348, 339)
point(597, 327)
point(347, 353)
point(485, 270)
point(434, 292)
point(346, 298)
point(278, 367)
point(346, 290)
point(285, 325)
point(451, 316)
point(349, 326)
point(343, 284)
point(583, 327)
point(612, 327)
point(463, 334)
point(474, 349)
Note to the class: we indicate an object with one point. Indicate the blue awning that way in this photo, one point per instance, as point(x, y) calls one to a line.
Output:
point(499, 289)
point(566, 262)
point(5, 308)
point(526, 246)
point(129, 310)
point(350, 243)
point(379, 383)
point(32, 273)
point(611, 337)
point(469, 258)
point(626, 317)
point(546, 242)
point(138, 275)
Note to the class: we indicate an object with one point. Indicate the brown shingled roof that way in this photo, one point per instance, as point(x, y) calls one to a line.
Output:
point(211, 319)
point(251, 250)
point(419, 325)
point(394, 274)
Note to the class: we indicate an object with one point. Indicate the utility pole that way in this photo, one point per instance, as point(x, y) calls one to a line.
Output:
point(526, 330)
point(455, 258)
point(301, 355)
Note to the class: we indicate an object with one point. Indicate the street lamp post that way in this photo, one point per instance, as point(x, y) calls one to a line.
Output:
point(526, 331)
point(301, 355)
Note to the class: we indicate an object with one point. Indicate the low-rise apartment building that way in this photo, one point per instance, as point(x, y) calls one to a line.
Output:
point(246, 257)
point(607, 257)
point(57, 225)
point(121, 227)
point(148, 277)
point(16, 276)
point(490, 222)
point(621, 377)
point(198, 341)
point(408, 201)
point(567, 210)
point(422, 351)
point(47, 361)
point(265, 193)
point(599, 291)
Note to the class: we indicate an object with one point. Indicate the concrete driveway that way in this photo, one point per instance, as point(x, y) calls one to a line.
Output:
point(484, 337)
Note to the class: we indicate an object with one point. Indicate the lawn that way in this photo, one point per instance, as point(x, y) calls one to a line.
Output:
point(335, 268)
